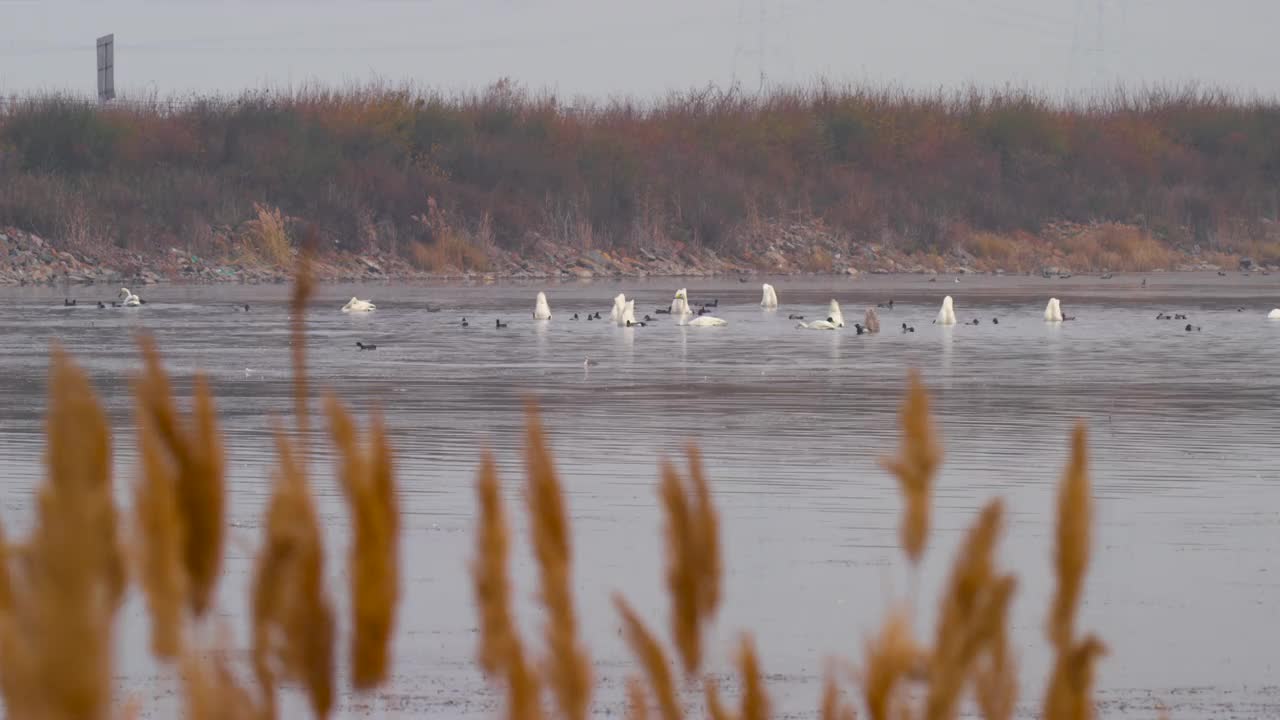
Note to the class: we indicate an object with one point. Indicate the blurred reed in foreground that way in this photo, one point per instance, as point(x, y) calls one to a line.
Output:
point(61, 587)
point(900, 677)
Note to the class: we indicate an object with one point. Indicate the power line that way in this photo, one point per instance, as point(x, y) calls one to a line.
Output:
point(504, 42)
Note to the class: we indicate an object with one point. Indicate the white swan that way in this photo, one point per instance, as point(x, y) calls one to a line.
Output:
point(1274, 314)
point(619, 305)
point(834, 316)
point(541, 310)
point(628, 314)
point(770, 298)
point(835, 319)
point(947, 314)
point(680, 303)
point(817, 325)
point(128, 299)
point(706, 321)
point(1053, 311)
point(356, 305)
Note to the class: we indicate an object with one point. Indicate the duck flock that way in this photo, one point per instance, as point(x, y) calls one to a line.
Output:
point(623, 313)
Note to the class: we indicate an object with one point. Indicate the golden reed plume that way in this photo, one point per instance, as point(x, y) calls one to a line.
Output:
point(190, 459)
point(637, 707)
point(211, 691)
point(159, 542)
point(501, 653)
point(374, 556)
point(693, 557)
point(646, 648)
point(292, 617)
point(918, 458)
point(303, 286)
point(293, 625)
point(62, 588)
point(891, 658)
point(833, 706)
point(1070, 692)
point(1071, 551)
point(975, 600)
point(755, 699)
point(568, 667)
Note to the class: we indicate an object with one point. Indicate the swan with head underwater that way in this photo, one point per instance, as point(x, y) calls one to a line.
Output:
point(128, 299)
point(1274, 314)
point(357, 305)
point(835, 319)
point(680, 303)
point(1053, 311)
point(541, 310)
point(769, 300)
point(947, 313)
point(619, 307)
point(625, 313)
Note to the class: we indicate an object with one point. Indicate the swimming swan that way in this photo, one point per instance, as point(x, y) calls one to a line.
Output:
point(947, 314)
point(770, 298)
point(818, 325)
point(1274, 314)
point(355, 305)
point(128, 299)
point(707, 321)
point(835, 319)
point(680, 303)
point(1053, 311)
point(619, 306)
point(541, 310)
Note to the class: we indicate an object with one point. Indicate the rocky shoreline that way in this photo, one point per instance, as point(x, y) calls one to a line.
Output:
point(28, 259)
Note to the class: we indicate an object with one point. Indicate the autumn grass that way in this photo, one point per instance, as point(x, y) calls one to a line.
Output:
point(62, 585)
point(451, 252)
point(267, 236)
point(1115, 247)
point(983, 171)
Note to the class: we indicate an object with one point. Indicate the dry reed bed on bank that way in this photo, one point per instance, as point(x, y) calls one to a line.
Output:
point(712, 168)
point(61, 587)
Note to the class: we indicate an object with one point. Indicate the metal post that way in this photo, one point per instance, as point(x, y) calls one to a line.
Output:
point(106, 68)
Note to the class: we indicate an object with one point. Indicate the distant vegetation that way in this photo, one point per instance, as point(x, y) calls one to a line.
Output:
point(440, 178)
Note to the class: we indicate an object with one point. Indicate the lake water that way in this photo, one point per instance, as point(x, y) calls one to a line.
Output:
point(1185, 584)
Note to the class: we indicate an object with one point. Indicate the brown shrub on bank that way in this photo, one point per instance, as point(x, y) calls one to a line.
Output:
point(703, 169)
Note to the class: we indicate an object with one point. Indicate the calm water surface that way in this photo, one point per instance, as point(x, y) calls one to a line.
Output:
point(1184, 587)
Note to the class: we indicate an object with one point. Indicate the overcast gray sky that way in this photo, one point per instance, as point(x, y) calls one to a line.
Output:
point(642, 47)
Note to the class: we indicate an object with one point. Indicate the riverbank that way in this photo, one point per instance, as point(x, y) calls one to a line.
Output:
point(29, 259)
point(823, 179)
